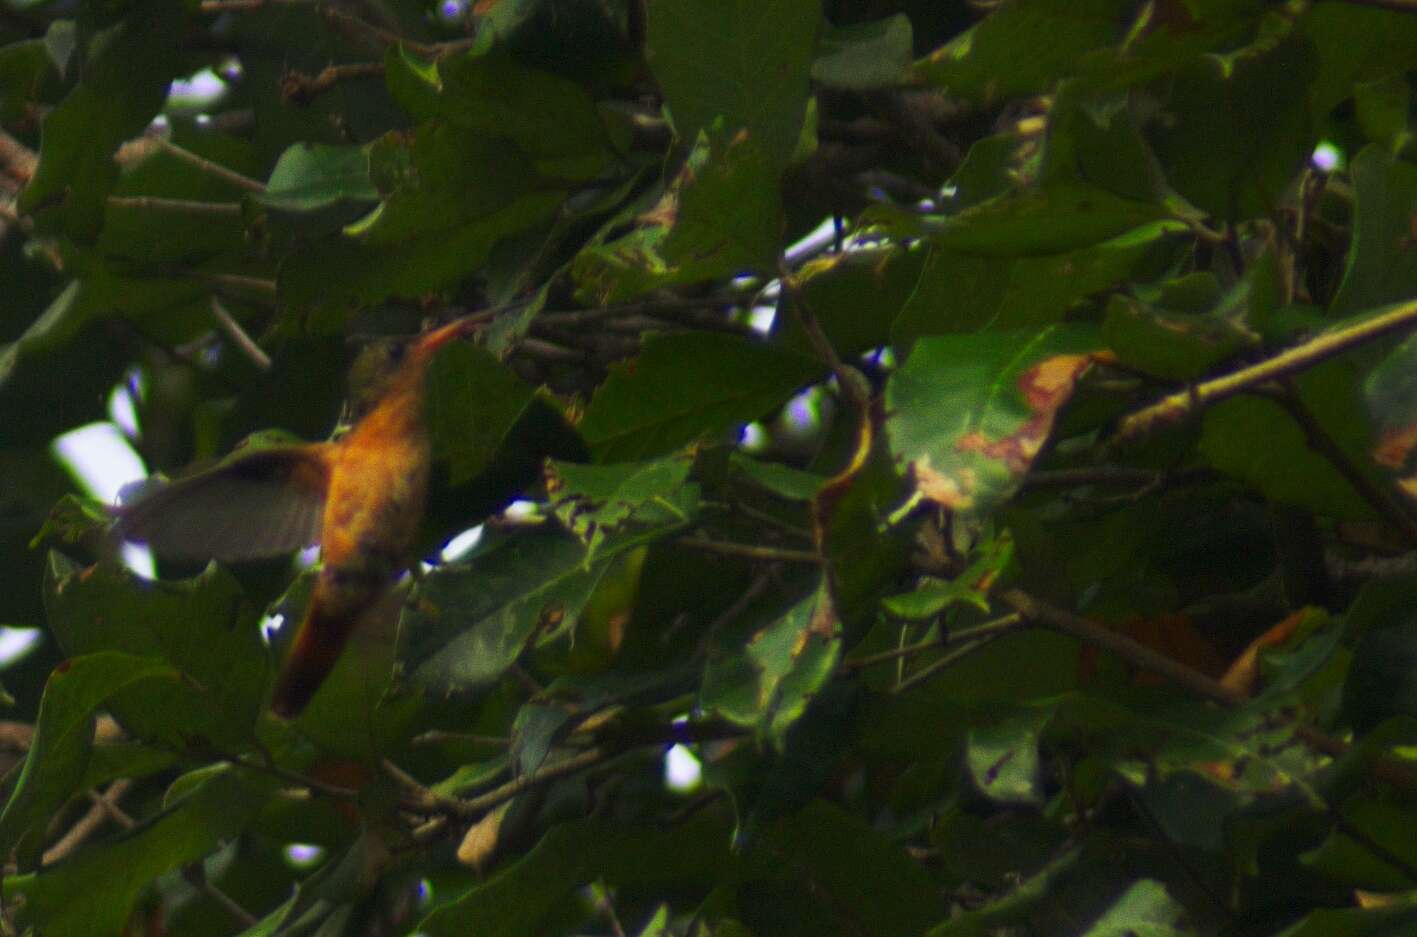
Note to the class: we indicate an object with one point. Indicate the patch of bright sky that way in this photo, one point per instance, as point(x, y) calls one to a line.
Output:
point(462, 544)
point(754, 438)
point(1327, 157)
point(17, 643)
point(198, 92)
point(303, 855)
point(102, 462)
point(682, 770)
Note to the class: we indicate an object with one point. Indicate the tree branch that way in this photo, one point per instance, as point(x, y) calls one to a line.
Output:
point(1186, 403)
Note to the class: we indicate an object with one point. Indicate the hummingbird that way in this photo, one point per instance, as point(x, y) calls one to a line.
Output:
point(360, 497)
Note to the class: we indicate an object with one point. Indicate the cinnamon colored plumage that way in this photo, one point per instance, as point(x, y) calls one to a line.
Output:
point(361, 498)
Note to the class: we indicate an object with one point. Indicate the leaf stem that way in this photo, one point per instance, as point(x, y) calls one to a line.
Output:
point(210, 168)
point(228, 324)
point(1319, 440)
point(180, 206)
point(751, 551)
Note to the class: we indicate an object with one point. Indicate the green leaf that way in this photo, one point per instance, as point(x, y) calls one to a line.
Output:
point(53, 376)
point(93, 892)
point(855, 868)
point(1390, 393)
point(203, 627)
point(970, 413)
point(63, 738)
point(471, 622)
point(309, 177)
point(961, 293)
point(593, 500)
point(1355, 43)
point(744, 61)
point(1388, 920)
point(1258, 442)
point(770, 685)
point(1003, 758)
point(1353, 862)
point(782, 480)
point(984, 62)
point(551, 119)
point(473, 402)
point(1176, 347)
point(28, 75)
point(326, 278)
point(1381, 267)
point(721, 216)
point(525, 899)
point(866, 55)
point(1144, 910)
point(856, 295)
point(1239, 128)
point(1382, 681)
point(125, 79)
point(1043, 220)
point(687, 386)
point(1017, 907)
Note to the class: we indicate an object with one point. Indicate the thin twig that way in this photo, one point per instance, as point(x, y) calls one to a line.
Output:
point(108, 800)
point(1114, 475)
point(549, 351)
point(605, 906)
point(476, 806)
point(235, 281)
point(1397, 6)
point(181, 206)
point(210, 168)
point(88, 824)
point(238, 336)
point(935, 666)
point(1186, 403)
point(315, 785)
point(196, 875)
point(300, 88)
point(17, 161)
point(1133, 652)
point(853, 384)
point(1318, 438)
point(989, 629)
point(1386, 855)
point(248, 6)
point(650, 307)
point(752, 551)
point(352, 27)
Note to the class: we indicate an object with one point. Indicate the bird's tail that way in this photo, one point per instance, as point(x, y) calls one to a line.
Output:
point(312, 656)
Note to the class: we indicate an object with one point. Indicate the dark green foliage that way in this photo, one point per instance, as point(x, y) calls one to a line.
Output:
point(1030, 552)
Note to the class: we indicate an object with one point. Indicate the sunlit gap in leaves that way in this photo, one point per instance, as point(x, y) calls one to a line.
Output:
point(101, 461)
point(754, 438)
point(461, 545)
point(303, 855)
point(452, 11)
point(1328, 157)
point(425, 893)
point(522, 511)
point(17, 643)
point(270, 625)
point(457, 548)
point(683, 773)
point(198, 92)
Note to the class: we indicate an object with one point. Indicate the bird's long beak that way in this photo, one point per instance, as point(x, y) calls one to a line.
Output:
point(458, 328)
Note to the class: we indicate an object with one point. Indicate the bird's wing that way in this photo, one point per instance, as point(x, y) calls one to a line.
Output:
point(264, 503)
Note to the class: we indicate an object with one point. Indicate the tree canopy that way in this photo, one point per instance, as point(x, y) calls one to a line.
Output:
point(978, 440)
